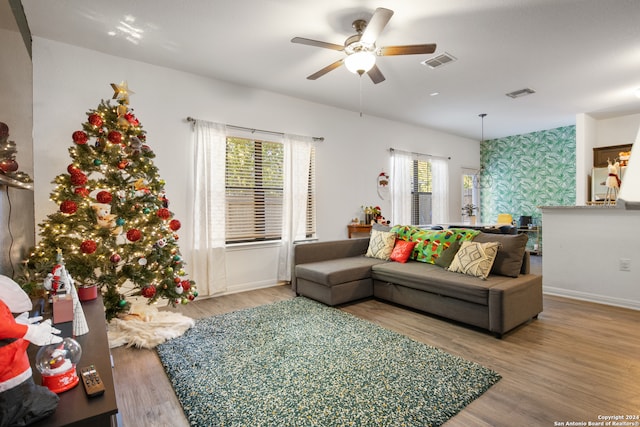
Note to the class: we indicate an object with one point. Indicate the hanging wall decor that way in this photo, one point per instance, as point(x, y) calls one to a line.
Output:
point(383, 185)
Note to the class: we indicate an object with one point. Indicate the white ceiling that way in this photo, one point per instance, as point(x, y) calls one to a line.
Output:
point(578, 55)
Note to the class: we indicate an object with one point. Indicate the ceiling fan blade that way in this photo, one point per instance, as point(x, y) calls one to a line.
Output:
point(325, 70)
point(414, 49)
point(317, 43)
point(376, 74)
point(375, 26)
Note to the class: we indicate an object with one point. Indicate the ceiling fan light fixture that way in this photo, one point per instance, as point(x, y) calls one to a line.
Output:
point(360, 62)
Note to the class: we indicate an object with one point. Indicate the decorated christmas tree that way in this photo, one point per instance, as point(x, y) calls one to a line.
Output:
point(113, 224)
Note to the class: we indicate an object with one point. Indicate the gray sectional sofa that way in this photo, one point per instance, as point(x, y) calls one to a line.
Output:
point(337, 272)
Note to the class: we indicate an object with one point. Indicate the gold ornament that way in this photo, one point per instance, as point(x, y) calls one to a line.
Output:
point(122, 91)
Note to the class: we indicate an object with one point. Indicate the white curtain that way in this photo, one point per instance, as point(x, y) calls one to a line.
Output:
point(439, 191)
point(400, 187)
point(208, 257)
point(297, 158)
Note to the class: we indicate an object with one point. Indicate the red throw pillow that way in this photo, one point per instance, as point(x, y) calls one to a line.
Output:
point(402, 250)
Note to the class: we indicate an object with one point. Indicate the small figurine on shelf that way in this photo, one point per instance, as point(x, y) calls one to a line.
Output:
point(59, 280)
point(612, 183)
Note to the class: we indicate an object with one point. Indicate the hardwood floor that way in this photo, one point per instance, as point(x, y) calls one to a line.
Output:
point(577, 362)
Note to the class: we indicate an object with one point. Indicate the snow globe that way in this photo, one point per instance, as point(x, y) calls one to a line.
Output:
point(57, 365)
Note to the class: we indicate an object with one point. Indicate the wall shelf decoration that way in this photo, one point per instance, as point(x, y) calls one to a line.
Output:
point(14, 183)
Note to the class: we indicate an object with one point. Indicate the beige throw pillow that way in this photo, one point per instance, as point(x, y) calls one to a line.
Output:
point(475, 259)
point(381, 244)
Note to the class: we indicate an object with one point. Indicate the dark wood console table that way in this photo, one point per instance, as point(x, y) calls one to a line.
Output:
point(358, 228)
point(75, 408)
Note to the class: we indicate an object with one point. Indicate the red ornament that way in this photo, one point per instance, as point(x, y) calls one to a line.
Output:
point(104, 197)
point(78, 179)
point(115, 258)
point(131, 119)
point(81, 191)
point(68, 207)
point(9, 165)
point(174, 224)
point(186, 285)
point(148, 291)
point(123, 164)
point(88, 246)
point(114, 137)
point(191, 297)
point(134, 235)
point(95, 120)
point(79, 137)
point(164, 213)
point(73, 169)
point(176, 280)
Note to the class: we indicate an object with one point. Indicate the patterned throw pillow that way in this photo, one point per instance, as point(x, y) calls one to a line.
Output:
point(475, 259)
point(430, 244)
point(381, 244)
point(402, 251)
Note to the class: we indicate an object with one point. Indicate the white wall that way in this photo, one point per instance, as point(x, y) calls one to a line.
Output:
point(68, 81)
point(16, 205)
point(583, 248)
point(585, 142)
point(617, 130)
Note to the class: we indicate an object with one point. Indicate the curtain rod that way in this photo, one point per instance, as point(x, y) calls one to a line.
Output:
point(252, 130)
point(419, 154)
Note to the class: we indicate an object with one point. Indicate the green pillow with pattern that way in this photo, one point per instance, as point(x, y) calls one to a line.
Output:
point(431, 243)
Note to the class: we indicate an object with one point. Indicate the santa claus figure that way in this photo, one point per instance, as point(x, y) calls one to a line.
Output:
point(22, 402)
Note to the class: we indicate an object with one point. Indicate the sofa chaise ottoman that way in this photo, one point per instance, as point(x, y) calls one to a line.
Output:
point(338, 272)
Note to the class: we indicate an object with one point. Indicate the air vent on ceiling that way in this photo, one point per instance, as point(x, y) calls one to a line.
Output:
point(439, 60)
point(520, 93)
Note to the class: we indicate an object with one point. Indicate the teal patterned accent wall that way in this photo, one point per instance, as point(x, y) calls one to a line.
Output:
point(523, 172)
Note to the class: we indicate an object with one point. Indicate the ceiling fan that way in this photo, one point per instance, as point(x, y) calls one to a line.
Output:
point(361, 48)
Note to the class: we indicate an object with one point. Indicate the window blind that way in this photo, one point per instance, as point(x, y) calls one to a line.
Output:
point(254, 185)
point(254, 191)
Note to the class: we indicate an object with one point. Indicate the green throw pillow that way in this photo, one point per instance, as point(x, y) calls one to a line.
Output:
point(445, 258)
point(431, 243)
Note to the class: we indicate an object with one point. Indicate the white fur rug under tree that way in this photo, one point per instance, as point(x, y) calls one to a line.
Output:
point(146, 327)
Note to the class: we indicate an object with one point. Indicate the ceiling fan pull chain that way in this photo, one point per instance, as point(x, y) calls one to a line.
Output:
point(360, 78)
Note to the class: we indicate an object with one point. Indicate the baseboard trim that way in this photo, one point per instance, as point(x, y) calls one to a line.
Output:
point(585, 296)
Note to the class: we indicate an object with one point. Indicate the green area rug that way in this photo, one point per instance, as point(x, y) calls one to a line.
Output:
point(301, 363)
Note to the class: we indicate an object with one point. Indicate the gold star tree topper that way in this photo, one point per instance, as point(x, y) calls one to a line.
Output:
point(121, 91)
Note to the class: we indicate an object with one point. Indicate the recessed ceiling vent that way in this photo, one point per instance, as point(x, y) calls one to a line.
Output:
point(439, 60)
point(520, 93)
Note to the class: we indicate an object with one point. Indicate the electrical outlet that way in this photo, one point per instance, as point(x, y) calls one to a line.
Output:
point(625, 264)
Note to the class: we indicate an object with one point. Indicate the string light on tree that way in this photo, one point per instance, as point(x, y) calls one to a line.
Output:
point(113, 220)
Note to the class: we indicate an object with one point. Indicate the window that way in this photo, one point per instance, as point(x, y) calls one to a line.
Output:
point(470, 184)
point(421, 192)
point(254, 185)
